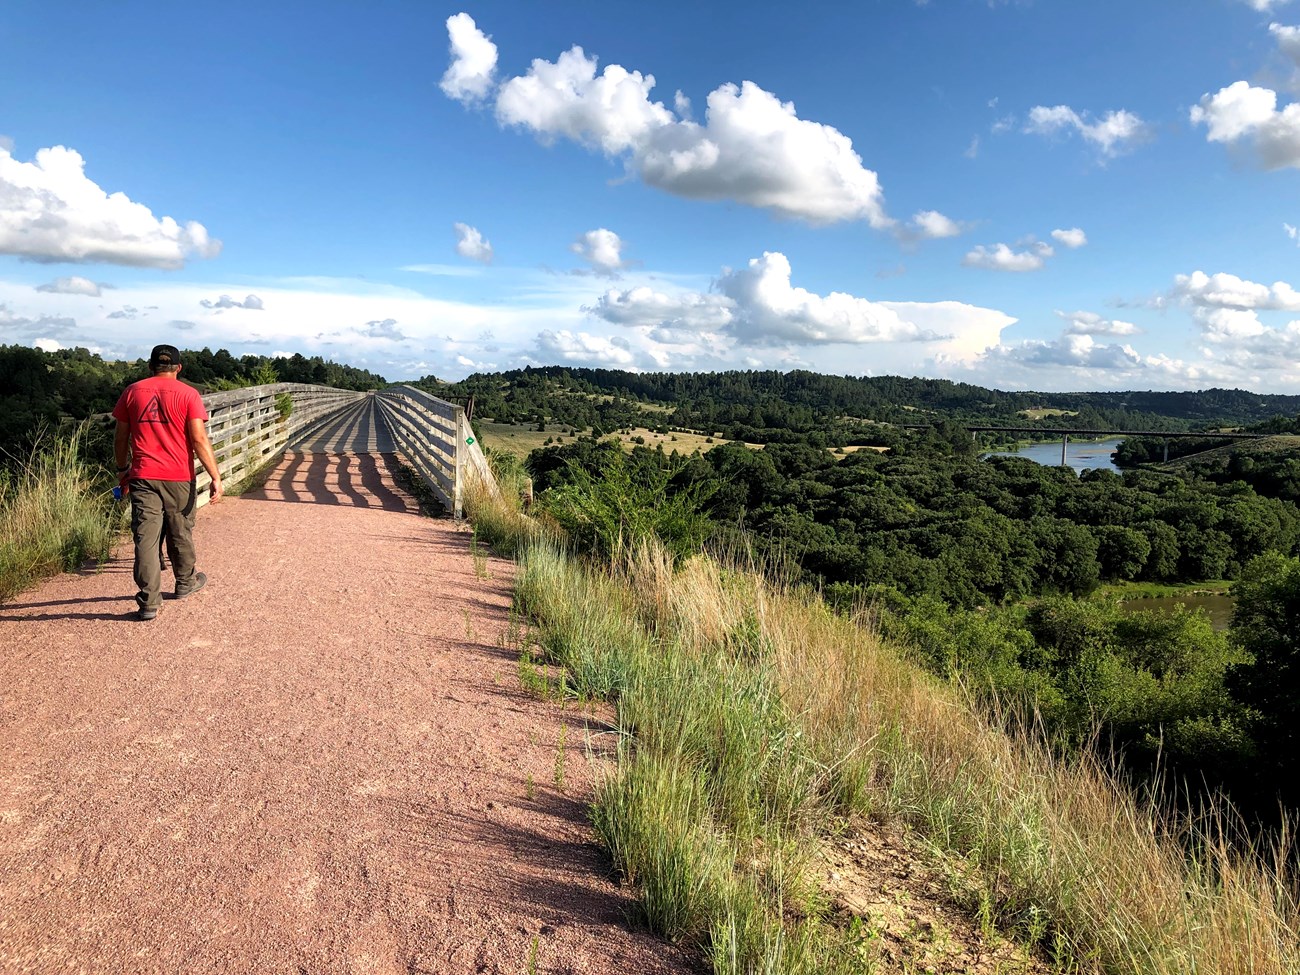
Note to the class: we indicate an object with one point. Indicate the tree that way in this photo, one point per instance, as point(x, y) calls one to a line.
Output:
point(1266, 623)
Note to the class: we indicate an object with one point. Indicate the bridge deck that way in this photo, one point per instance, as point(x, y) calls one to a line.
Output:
point(358, 429)
point(321, 762)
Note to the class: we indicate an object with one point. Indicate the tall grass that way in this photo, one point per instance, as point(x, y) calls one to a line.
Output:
point(752, 720)
point(56, 512)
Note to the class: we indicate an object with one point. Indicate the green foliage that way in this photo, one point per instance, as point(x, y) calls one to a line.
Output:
point(1266, 624)
point(623, 503)
point(55, 514)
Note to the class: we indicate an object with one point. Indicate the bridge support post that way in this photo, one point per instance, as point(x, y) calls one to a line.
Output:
point(458, 491)
point(1065, 443)
point(1166, 452)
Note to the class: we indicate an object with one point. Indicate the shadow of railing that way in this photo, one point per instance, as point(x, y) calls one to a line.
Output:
point(352, 480)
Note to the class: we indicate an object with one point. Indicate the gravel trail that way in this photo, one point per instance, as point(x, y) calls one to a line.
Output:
point(321, 763)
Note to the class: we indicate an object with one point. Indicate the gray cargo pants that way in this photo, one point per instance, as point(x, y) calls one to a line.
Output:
point(155, 505)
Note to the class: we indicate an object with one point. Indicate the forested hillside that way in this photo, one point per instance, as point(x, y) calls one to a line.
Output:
point(801, 406)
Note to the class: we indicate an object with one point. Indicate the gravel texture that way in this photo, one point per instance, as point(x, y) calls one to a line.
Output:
point(321, 763)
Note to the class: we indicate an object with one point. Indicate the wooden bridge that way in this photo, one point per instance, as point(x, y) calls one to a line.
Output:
point(251, 428)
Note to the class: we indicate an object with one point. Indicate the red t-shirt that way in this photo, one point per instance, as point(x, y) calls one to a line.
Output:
point(157, 411)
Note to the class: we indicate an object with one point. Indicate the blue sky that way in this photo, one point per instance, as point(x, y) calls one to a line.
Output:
point(1019, 193)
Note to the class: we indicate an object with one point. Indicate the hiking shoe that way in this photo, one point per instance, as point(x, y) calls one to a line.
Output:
point(144, 615)
point(200, 580)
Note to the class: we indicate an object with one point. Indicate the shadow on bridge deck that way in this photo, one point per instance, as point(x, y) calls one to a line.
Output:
point(356, 480)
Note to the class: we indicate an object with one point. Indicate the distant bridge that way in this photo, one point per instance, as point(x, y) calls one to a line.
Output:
point(1065, 434)
point(251, 428)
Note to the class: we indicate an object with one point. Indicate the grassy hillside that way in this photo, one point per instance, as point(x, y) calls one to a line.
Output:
point(755, 728)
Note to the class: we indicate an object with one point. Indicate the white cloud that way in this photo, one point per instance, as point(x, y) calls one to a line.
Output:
point(1073, 238)
point(1000, 257)
point(930, 225)
point(1243, 112)
point(1071, 351)
point(74, 286)
point(443, 270)
point(1292, 232)
point(1230, 291)
point(470, 243)
point(252, 303)
point(769, 308)
point(50, 211)
point(6, 143)
point(385, 329)
point(1090, 323)
point(600, 248)
point(1264, 6)
point(1112, 134)
point(757, 306)
point(583, 347)
point(473, 61)
point(1288, 40)
point(973, 150)
point(752, 147)
point(643, 306)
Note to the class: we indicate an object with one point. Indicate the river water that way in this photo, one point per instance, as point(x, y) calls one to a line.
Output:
point(1081, 456)
point(1217, 605)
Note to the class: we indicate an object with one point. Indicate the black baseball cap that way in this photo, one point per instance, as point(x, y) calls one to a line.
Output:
point(164, 355)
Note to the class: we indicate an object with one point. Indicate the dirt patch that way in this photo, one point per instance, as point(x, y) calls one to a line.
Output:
point(882, 883)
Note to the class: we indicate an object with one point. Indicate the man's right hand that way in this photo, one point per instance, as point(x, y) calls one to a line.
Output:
point(215, 488)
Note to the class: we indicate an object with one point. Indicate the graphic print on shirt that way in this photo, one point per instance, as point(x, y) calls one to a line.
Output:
point(153, 412)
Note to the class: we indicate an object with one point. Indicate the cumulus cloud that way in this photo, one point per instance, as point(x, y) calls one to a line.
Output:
point(1001, 257)
point(50, 211)
point(74, 286)
point(567, 346)
point(1264, 6)
point(1229, 291)
point(470, 243)
point(1073, 238)
point(1090, 323)
point(385, 329)
point(126, 313)
point(600, 248)
point(752, 147)
point(473, 61)
point(930, 225)
point(1288, 41)
point(757, 306)
point(1071, 351)
point(25, 330)
point(1244, 113)
point(1111, 134)
point(251, 302)
point(769, 308)
point(643, 306)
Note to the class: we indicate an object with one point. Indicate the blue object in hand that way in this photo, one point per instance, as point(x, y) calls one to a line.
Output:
point(117, 492)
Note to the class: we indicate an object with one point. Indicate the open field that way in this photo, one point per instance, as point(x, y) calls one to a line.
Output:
point(1268, 445)
point(521, 439)
point(1042, 414)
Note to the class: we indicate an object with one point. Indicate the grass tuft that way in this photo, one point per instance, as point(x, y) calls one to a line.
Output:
point(56, 513)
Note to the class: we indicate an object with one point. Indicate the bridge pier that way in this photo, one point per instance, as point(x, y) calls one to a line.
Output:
point(1166, 460)
point(1065, 443)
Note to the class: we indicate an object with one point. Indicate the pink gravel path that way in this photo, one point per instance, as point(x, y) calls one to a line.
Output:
point(320, 763)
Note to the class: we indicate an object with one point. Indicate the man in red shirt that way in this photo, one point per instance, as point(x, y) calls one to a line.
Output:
point(160, 427)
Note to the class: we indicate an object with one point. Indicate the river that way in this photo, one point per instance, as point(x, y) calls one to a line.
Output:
point(1081, 456)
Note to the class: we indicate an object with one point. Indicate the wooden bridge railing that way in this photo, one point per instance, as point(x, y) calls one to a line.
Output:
point(250, 427)
point(436, 439)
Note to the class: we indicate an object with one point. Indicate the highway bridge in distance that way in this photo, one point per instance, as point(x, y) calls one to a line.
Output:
point(1065, 434)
